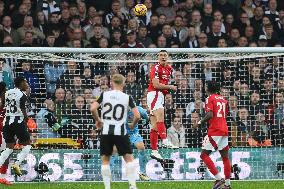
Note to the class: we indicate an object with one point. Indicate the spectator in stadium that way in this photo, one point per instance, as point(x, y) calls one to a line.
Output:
point(116, 38)
point(247, 7)
point(242, 23)
point(255, 105)
point(28, 27)
point(6, 77)
point(77, 86)
point(262, 133)
point(202, 40)
point(216, 34)
point(49, 40)
point(176, 133)
point(218, 16)
point(82, 10)
point(9, 31)
point(104, 80)
point(78, 35)
point(272, 12)
point(154, 28)
point(190, 107)
point(222, 43)
point(245, 126)
point(271, 35)
point(161, 42)
point(196, 22)
point(179, 30)
point(64, 20)
point(66, 79)
point(255, 79)
point(207, 17)
point(267, 92)
point(234, 36)
point(170, 38)
point(250, 34)
point(88, 96)
point(40, 22)
point(169, 109)
point(48, 7)
point(47, 125)
point(132, 24)
point(116, 11)
point(256, 20)
point(233, 108)
point(97, 20)
point(19, 16)
point(87, 77)
point(32, 78)
point(166, 9)
point(73, 10)
point(225, 7)
point(75, 23)
point(142, 36)
point(262, 41)
point(132, 88)
point(244, 98)
point(278, 108)
point(81, 122)
point(194, 137)
point(52, 71)
point(97, 35)
point(131, 41)
point(191, 40)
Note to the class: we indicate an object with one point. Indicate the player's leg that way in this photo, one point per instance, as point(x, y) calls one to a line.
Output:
point(106, 150)
point(4, 167)
point(161, 128)
point(24, 139)
point(124, 149)
point(142, 158)
point(208, 146)
point(8, 135)
point(112, 158)
point(226, 161)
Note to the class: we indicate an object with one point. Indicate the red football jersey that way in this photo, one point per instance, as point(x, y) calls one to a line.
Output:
point(163, 73)
point(219, 106)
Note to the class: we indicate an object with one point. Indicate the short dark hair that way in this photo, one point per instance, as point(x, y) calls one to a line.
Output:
point(213, 87)
point(163, 51)
point(18, 81)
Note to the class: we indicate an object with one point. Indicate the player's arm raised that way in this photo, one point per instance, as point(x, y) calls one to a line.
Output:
point(161, 86)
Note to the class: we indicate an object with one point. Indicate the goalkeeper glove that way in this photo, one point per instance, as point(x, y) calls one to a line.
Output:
point(56, 127)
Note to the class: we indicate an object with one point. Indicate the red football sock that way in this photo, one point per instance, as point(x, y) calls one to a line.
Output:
point(3, 169)
point(209, 163)
point(154, 139)
point(162, 130)
point(227, 167)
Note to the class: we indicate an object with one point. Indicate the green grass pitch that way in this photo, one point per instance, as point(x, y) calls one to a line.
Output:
point(150, 185)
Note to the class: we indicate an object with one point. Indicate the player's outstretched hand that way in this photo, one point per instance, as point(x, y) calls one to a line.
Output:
point(99, 124)
point(174, 88)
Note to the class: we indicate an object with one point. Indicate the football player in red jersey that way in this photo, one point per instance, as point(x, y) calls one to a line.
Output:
point(160, 75)
point(4, 167)
point(216, 108)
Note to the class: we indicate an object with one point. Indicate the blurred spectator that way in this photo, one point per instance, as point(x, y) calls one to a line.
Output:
point(197, 23)
point(78, 36)
point(41, 22)
point(278, 108)
point(131, 86)
point(9, 31)
point(245, 126)
point(28, 27)
point(5, 76)
point(47, 125)
point(142, 36)
point(32, 78)
point(18, 16)
point(170, 38)
point(225, 7)
point(52, 70)
point(131, 41)
point(216, 34)
point(191, 105)
point(191, 40)
point(202, 40)
point(272, 12)
point(262, 41)
point(48, 7)
point(115, 11)
point(166, 9)
point(255, 106)
point(267, 92)
point(60, 106)
point(154, 28)
point(66, 79)
point(176, 133)
point(97, 20)
point(169, 109)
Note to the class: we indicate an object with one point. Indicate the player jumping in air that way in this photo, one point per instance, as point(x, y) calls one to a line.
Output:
point(115, 105)
point(160, 75)
point(216, 108)
point(15, 123)
point(4, 167)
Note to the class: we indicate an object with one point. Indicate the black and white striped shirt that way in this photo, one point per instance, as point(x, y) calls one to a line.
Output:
point(115, 106)
point(15, 101)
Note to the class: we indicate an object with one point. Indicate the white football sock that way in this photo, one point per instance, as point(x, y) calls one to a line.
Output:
point(218, 176)
point(4, 155)
point(227, 182)
point(131, 173)
point(106, 175)
point(165, 141)
point(23, 154)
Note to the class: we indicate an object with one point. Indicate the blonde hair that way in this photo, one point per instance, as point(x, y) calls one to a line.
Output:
point(118, 79)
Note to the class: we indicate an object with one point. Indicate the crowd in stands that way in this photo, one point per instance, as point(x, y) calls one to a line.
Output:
point(168, 23)
point(61, 92)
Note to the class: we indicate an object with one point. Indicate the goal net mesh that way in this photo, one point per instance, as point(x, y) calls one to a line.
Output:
point(63, 85)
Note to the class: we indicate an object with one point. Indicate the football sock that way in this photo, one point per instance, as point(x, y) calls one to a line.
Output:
point(106, 176)
point(154, 139)
point(4, 155)
point(162, 130)
point(131, 173)
point(227, 167)
point(112, 162)
point(23, 154)
point(209, 163)
point(142, 160)
point(227, 182)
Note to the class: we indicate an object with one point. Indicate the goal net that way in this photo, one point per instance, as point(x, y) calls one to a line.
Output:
point(64, 82)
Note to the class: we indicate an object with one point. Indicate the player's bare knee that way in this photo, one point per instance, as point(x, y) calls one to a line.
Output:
point(128, 158)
